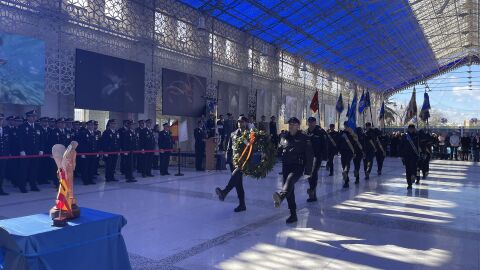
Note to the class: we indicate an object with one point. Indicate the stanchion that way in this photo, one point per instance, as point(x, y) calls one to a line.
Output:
point(178, 163)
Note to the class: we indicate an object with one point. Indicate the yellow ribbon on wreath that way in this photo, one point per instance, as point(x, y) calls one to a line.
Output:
point(249, 148)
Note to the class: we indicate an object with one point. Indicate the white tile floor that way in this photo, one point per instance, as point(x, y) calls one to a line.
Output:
point(178, 223)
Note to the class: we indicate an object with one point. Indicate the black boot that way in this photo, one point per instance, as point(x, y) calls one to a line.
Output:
point(312, 196)
point(277, 199)
point(379, 172)
point(221, 195)
point(240, 208)
point(357, 177)
point(367, 176)
point(293, 217)
point(2, 193)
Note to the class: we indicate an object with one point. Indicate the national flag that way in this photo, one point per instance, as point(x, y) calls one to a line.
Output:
point(362, 104)
point(352, 114)
point(411, 111)
point(382, 111)
point(314, 104)
point(174, 130)
point(339, 105)
point(425, 112)
point(63, 202)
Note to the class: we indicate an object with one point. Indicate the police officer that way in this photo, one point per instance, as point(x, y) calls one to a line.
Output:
point(426, 142)
point(358, 145)
point(221, 132)
point(410, 154)
point(370, 149)
point(236, 178)
point(128, 143)
point(347, 151)
point(317, 138)
point(165, 143)
point(120, 131)
point(147, 142)
point(56, 136)
point(29, 139)
point(98, 136)
point(110, 143)
point(44, 175)
point(87, 143)
point(199, 136)
point(381, 145)
point(4, 152)
point(296, 153)
point(12, 164)
point(332, 149)
point(69, 132)
point(140, 157)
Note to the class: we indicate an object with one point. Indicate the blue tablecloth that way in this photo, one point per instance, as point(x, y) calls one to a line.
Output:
point(92, 241)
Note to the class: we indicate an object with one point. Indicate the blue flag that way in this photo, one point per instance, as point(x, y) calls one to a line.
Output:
point(425, 112)
point(339, 106)
point(382, 111)
point(352, 114)
point(362, 104)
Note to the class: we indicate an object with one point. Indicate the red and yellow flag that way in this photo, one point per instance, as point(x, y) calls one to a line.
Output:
point(174, 130)
point(63, 202)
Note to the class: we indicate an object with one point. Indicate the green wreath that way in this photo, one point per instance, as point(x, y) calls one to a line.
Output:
point(258, 161)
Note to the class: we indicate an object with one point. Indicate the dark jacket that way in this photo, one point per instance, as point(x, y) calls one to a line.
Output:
point(296, 149)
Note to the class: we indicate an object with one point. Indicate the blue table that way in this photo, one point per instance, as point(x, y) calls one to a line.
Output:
point(92, 241)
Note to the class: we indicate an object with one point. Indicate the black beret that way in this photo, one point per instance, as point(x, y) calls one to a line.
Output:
point(312, 119)
point(293, 120)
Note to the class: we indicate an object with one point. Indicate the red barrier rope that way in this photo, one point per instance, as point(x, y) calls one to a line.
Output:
point(95, 154)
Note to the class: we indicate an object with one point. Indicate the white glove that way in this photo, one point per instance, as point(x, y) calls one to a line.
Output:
point(97, 155)
point(125, 154)
point(40, 153)
point(22, 153)
point(83, 156)
point(143, 151)
point(105, 155)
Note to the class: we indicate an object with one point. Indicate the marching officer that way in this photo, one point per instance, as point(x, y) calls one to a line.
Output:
point(426, 143)
point(199, 136)
point(128, 143)
point(296, 153)
point(317, 138)
point(332, 149)
point(370, 149)
point(147, 142)
point(110, 143)
point(56, 136)
point(165, 143)
point(236, 178)
point(381, 144)
point(29, 140)
point(4, 152)
point(347, 151)
point(358, 146)
point(87, 143)
point(410, 154)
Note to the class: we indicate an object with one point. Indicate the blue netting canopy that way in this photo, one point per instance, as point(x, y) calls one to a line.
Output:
point(385, 45)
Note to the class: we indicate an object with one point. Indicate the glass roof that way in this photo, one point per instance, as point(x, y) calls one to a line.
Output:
point(382, 45)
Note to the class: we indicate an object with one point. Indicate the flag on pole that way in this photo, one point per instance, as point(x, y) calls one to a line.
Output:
point(314, 104)
point(411, 111)
point(352, 114)
point(362, 104)
point(339, 105)
point(425, 112)
point(382, 111)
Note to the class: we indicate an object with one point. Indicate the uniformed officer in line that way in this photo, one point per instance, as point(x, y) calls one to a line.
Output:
point(165, 142)
point(370, 149)
point(426, 143)
point(51, 123)
point(410, 153)
point(69, 132)
point(236, 178)
point(296, 153)
point(75, 136)
point(381, 144)
point(147, 143)
point(98, 136)
point(120, 131)
point(44, 175)
point(56, 136)
point(29, 140)
point(4, 152)
point(128, 143)
point(332, 149)
point(110, 143)
point(87, 143)
point(358, 145)
point(347, 151)
point(317, 138)
point(199, 136)
point(221, 132)
point(140, 158)
point(12, 164)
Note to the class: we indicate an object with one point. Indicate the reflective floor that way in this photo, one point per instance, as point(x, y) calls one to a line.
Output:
point(178, 223)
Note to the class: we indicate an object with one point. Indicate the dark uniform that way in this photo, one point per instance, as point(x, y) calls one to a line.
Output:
point(370, 150)
point(332, 149)
point(110, 143)
point(359, 146)
point(4, 152)
point(165, 141)
point(147, 142)
point(296, 153)
point(381, 143)
point(44, 164)
point(55, 136)
point(426, 143)
point(87, 143)
point(98, 136)
point(199, 136)
point(139, 157)
point(29, 141)
point(273, 132)
point(12, 172)
point(347, 152)
point(128, 143)
point(121, 131)
point(221, 133)
point(409, 149)
point(317, 138)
